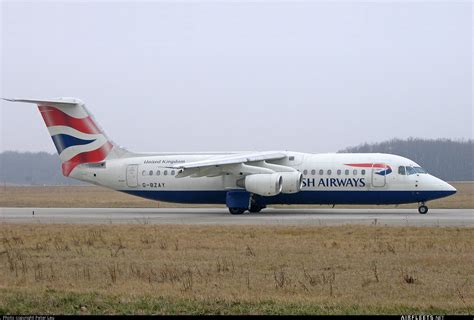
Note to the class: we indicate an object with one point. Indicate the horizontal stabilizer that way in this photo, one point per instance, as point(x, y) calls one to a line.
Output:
point(51, 102)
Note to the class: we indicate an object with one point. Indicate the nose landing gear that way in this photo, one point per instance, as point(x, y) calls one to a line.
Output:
point(422, 209)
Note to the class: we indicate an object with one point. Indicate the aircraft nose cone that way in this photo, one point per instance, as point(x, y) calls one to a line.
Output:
point(449, 189)
point(441, 188)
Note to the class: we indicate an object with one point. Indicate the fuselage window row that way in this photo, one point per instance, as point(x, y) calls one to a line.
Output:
point(158, 172)
point(339, 172)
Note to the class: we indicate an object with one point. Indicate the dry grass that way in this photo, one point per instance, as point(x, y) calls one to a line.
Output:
point(76, 196)
point(92, 196)
point(70, 196)
point(235, 269)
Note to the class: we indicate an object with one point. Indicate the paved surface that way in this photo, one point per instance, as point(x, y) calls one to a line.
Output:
point(395, 217)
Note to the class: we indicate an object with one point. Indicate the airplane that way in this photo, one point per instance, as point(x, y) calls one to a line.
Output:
point(243, 181)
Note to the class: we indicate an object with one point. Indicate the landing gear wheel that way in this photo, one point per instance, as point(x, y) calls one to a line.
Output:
point(423, 209)
point(255, 209)
point(236, 210)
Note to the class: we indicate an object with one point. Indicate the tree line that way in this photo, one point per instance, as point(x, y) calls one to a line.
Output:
point(32, 168)
point(447, 159)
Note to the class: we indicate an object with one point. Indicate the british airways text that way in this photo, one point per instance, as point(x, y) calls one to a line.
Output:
point(334, 182)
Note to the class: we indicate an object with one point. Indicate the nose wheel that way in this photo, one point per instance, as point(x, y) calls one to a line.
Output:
point(422, 209)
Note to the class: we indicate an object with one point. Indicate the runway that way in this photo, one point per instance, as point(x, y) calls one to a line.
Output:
point(322, 217)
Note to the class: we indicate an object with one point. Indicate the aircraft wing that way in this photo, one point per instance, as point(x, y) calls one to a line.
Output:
point(242, 163)
point(233, 159)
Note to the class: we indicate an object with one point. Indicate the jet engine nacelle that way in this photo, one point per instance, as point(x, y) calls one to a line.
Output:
point(292, 182)
point(268, 184)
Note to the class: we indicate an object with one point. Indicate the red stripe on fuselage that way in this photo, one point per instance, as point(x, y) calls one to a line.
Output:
point(86, 157)
point(55, 117)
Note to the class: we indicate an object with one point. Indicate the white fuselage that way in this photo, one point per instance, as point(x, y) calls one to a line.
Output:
point(327, 179)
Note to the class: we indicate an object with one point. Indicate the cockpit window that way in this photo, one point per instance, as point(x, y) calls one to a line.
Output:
point(407, 170)
point(401, 170)
point(419, 170)
point(410, 170)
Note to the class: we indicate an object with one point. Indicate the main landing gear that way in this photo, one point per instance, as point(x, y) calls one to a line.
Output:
point(240, 201)
point(236, 210)
point(422, 209)
point(253, 208)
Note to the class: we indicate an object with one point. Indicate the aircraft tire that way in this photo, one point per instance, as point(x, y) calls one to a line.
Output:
point(422, 209)
point(255, 209)
point(236, 210)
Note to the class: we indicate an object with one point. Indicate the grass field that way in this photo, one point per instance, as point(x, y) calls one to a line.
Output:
point(143, 269)
point(92, 196)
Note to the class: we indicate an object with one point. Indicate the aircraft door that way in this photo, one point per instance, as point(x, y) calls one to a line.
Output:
point(132, 175)
point(379, 178)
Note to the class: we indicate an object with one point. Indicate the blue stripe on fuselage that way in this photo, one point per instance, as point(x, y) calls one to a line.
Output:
point(302, 197)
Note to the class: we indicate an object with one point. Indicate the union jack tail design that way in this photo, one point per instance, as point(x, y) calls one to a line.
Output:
point(77, 137)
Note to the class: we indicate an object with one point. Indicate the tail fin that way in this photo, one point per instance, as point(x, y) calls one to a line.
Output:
point(77, 137)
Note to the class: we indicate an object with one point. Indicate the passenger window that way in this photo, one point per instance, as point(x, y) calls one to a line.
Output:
point(346, 172)
point(158, 172)
point(291, 158)
point(313, 172)
point(354, 172)
point(321, 172)
point(362, 172)
point(401, 170)
point(172, 172)
point(165, 172)
point(150, 173)
point(305, 172)
point(338, 172)
point(329, 172)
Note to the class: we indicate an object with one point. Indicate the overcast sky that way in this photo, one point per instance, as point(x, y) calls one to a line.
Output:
point(202, 76)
